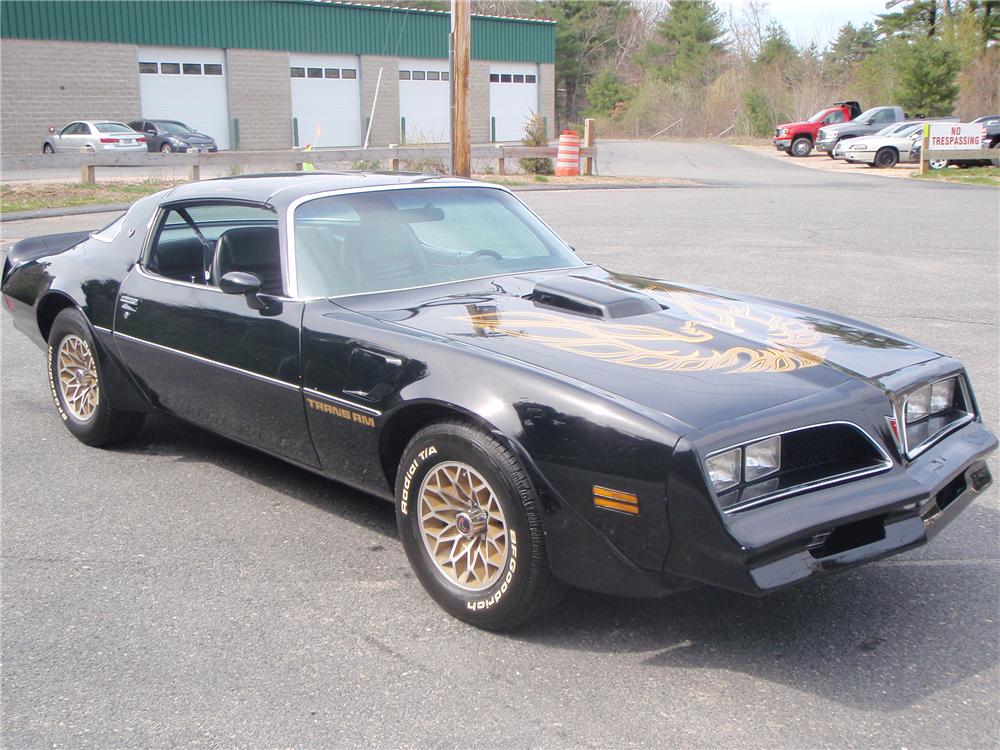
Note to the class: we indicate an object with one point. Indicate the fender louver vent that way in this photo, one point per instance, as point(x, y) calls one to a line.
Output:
point(593, 297)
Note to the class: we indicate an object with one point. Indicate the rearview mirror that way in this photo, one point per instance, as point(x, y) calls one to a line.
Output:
point(247, 284)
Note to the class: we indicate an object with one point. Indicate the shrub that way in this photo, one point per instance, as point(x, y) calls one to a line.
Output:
point(534, 135)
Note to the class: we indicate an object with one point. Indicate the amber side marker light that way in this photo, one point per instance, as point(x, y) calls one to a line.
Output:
point(623, 502)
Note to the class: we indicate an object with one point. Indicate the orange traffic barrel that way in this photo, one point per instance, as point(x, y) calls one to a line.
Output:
point(568, 158)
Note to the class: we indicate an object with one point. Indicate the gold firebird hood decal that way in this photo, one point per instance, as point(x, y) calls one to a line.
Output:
point(792, 344)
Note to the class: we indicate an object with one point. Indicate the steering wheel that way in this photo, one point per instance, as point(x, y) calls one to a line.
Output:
point(482, 253)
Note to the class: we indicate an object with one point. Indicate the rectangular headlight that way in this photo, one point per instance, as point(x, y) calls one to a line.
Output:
point(942, 395)
point(724, 469)
point(762, 458)
point(918, 404)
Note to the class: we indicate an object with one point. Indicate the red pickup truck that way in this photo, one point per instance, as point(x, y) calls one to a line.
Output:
point(798, 138)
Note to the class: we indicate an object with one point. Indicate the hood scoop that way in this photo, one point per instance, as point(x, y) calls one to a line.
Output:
point(587, 296)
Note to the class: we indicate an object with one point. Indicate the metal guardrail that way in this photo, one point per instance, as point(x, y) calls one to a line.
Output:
point(294, 158)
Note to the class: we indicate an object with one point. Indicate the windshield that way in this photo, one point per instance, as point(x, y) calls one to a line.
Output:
point(113, 127)
point(400, 239)
point(818, 116)
point(173, 127)
point(909, 130)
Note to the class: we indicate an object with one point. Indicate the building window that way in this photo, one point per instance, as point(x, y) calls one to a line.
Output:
point(170, 69)
point(445, 75)
point(505, 78)
point(298, 72)
point(348, 73)
point(433, 75)
point(213, 69)
point(332, 72)
point(404, 75)
point(192, 69)
point(314, 73)
point(529, 79)
point(494, 78)
point(419, 75)
point(148, 67)
point(518, 78)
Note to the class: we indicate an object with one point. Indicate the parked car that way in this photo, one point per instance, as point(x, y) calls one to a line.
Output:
point(888, 130)
point(884, 149)
point(538, 421)
point(797, 138)
point(989, 139)
point(94, 135)
point(868, 122)
point(171, 135)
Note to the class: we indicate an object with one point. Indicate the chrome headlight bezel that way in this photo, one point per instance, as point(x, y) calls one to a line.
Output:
point(915, 409)
point(863, 456)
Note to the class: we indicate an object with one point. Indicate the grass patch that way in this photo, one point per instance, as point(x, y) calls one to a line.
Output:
point(30, 196)
point(971, 176)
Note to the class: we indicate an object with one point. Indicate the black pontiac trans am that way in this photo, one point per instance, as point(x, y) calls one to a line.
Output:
point(538, 421)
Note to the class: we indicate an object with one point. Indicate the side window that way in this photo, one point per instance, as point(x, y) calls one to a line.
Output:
point(833, 117)
point(197, 244)
point(883, 117)
point(69, 129)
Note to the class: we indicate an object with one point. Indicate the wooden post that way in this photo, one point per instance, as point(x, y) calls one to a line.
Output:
point(589, 131)
point(88, 174)
point(461, 29)
point(925, 145)
point(501, 162)
point(194, 172)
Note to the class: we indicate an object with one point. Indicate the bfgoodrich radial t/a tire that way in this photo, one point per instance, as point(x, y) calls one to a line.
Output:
point(470, 524)
point(78, 388)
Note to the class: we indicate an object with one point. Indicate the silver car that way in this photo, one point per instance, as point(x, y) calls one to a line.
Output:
point(93, 136)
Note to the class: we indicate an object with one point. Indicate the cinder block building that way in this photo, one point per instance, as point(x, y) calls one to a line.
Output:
point(265, 74)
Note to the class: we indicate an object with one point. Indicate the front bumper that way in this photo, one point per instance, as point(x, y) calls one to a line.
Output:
point(782, 144)
point(826, 145)
point(858, 157)
point(802, 537)
point(857, 522)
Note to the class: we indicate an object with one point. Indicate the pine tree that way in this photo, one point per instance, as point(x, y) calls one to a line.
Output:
point(688, 42)
point(927, 71)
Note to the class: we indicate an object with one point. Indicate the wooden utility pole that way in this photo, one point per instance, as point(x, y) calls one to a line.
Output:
point(461, 65)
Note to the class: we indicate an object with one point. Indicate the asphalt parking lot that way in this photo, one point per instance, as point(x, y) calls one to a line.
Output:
point(183, 590)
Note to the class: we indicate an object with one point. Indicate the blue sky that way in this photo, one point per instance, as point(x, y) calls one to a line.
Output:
point(819, 20)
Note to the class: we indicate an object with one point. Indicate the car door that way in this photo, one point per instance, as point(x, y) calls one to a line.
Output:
point(69, 138)
point(206, 356)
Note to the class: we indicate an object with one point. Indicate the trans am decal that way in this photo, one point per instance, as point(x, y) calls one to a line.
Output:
point(793, 344)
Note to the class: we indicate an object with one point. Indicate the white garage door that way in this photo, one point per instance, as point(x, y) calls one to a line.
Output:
point(513, 98)
point(186, 84)
point(326, 100)
point(423, 100)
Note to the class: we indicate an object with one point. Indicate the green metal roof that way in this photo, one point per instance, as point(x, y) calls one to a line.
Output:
point(293, 25)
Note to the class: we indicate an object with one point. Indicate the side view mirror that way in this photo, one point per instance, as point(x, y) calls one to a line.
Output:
point(247, 284)
point(151, 131)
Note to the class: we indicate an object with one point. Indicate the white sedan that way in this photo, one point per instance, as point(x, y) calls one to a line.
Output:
point(881, 150)
point(94, 135)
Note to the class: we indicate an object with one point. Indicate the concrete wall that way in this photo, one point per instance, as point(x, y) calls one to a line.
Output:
point(40, 87)
point(385, 125)
point(547, 97)
point(45, 84)
point(260, 97)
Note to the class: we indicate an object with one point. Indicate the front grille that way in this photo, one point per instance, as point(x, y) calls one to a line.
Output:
point(811, 458)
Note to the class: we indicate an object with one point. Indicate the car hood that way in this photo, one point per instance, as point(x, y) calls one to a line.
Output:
point(797, 124)
point(192, 137)
point(702, 356)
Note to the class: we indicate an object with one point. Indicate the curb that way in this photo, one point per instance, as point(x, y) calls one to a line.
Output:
point(51, 213)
